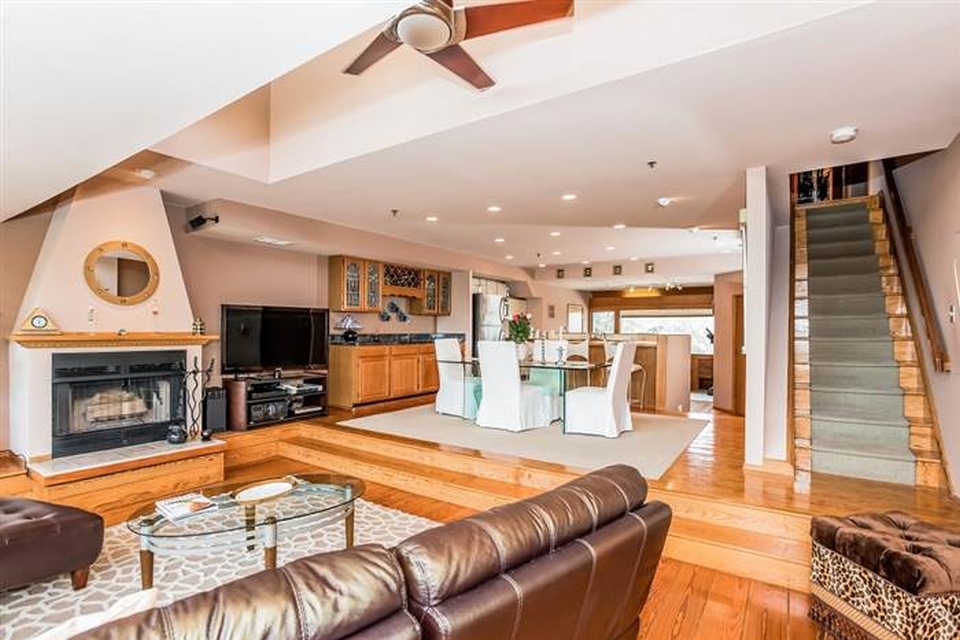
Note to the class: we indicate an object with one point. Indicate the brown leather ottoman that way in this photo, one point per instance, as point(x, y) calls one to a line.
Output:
point(39, 540)
point(885, 575)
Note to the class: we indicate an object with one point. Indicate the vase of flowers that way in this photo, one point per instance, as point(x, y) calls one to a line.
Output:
point(518, 331)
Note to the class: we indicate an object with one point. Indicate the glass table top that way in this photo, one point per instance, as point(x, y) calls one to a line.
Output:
point(569, 365)
point(311, 494)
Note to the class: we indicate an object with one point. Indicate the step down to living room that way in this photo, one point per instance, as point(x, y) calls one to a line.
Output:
point(860, 403)
point(764, 544)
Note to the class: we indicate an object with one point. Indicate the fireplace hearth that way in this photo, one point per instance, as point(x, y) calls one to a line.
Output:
point(114, 399)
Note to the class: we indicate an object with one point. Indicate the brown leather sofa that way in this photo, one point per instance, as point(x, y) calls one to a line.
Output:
point(576, 562)
point(40, 540)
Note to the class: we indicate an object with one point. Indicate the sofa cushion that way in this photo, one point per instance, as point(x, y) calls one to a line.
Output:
point(443, 562)
point(917, 556)
point(353, 593)
point(29, 529)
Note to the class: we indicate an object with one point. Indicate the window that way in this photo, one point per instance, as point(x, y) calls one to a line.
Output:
point(697, 323)
point(602, 322)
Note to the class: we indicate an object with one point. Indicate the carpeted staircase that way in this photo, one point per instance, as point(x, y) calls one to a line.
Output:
point(857, 416)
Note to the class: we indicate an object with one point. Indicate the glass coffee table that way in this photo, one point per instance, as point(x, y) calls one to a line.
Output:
point(250, 515)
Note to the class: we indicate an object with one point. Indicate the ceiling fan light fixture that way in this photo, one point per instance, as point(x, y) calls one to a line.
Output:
point(426, 32)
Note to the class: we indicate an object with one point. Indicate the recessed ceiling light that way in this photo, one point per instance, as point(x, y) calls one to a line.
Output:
point(556, 253)
point(619, 225)
point(664, 201)
point(499, 240)
point(542, 265)
point(610, 248)
point(508, 257)
point(554, 233)
point(493, 208)
point(274, 241)
point(634, 258)
point(146, 174)
point(584, 262)
point(694, 229)
point(432, 218)
point(843, 134)
point(568, 196)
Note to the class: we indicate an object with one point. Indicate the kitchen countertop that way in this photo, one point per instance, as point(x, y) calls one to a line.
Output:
point(393, 338)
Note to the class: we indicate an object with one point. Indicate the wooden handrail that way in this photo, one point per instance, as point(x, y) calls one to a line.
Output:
point(907, 247)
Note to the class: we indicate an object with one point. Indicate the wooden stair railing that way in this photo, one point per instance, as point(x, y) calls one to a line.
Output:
point(906, 251)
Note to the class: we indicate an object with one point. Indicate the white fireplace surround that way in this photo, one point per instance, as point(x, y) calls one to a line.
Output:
point(95, 214)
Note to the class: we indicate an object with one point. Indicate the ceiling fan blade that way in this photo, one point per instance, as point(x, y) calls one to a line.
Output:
point(380, 47)
point(456, 59)
point(491, 18)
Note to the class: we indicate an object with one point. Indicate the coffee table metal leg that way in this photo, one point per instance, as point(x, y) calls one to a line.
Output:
point(146, 557)
point(250, 519)
point(348, 528)
point(270, 543)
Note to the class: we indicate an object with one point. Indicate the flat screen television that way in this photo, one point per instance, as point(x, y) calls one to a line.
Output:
point(255, 339)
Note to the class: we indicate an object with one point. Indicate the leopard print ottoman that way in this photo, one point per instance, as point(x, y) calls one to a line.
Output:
point(854, 603)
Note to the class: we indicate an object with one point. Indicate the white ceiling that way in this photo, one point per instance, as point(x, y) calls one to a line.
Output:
point(743, 85)
point(771, 101)
point(87, 84)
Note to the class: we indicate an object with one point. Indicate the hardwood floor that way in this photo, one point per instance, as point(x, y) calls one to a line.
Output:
point(712, 466)
point(686, 602)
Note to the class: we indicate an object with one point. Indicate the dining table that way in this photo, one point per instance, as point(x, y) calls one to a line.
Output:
point(562, 367)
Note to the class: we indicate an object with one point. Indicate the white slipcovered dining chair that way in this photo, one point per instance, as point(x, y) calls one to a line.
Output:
point(506, 402)
point(578, 350)
point(458, 394)
point(604, 411)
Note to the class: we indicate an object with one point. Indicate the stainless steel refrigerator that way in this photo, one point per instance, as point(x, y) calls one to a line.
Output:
point(490, 315)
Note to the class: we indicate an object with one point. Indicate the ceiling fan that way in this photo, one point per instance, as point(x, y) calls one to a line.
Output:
point(436, 29)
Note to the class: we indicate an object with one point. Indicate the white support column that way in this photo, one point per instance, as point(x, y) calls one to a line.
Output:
point(756, 298)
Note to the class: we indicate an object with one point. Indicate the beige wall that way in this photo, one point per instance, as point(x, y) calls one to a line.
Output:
point(725, 287)
point(20, 241)
point(544, 295)
point(930, 189)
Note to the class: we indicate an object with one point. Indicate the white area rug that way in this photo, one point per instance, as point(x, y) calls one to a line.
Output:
point(651, 447)
point(32, 610)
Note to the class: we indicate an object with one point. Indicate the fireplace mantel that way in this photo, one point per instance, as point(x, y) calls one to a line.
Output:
point(106, 339)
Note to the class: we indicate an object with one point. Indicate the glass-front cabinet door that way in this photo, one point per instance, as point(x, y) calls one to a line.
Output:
point(373, 282)
point(352, 284)
point(445, 294)
point(430, 291)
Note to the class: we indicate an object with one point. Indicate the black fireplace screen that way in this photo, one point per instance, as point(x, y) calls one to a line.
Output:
point(105, 400)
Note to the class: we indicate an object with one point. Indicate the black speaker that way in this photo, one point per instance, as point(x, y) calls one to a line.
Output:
point(215, 410)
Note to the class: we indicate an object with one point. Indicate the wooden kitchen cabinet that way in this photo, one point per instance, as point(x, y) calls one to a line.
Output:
point(429, 375)
point(355, 284)
point(371, 373)
point(437, 298)
point(445, 294)
point(404, 370)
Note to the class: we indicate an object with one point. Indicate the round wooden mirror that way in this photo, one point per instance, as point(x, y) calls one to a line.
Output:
point(121, 272)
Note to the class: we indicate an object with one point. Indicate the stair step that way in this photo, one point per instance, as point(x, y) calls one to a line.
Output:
point(841, 249)
point(817, 235)
point(860, 466)
point(844, 266)
point(448, 486)
point(841, 304)
point(855, 376)
point(536, 475)
point(882, 443)
point(857, 405)
point(848, 284)
point(840, 217)
point(876, 326)
point(865, 350)
point(742, 553)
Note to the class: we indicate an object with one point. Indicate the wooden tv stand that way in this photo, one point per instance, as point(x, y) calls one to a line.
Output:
point(260, 401)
